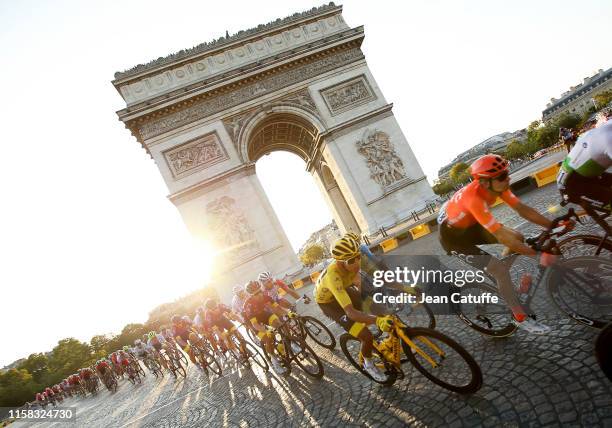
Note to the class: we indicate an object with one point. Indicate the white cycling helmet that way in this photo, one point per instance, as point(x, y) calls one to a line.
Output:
point(264, 276)
point(237, 289)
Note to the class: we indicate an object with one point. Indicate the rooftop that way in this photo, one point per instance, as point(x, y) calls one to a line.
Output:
point(223, 41)
point(587, 84)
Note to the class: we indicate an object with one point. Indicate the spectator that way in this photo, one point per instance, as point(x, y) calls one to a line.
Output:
point(568, 137)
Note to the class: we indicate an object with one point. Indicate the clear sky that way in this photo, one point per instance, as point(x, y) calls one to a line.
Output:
point(88, 240)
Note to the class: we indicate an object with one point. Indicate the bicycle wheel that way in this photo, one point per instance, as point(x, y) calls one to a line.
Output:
point(491, 319)
point(257, 356)
point(305, 357)
point(252, 336)
point(182, 357)
point(585, 245)
point(351, 347)
point(415, 314)
point(454, 368)
point(282, 357)
point(237, 354)
point(603, 350)
point(138, 368)
point(178, 368)
point(209, 361)
point(581, 287)
point(318, 332)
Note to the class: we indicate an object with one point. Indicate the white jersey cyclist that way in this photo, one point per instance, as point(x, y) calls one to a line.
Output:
point(592, 153)
point(583, 173)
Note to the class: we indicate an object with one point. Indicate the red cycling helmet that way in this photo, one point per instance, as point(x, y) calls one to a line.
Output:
point(488, 166)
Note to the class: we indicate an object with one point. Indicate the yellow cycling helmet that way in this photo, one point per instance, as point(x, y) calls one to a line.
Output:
point(345, 248)
point(354, 236)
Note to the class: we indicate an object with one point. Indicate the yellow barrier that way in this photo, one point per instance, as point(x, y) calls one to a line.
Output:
point(420, 230)
point(388, 245)
point(298, 284)
point(546, 175)
point(314, 276)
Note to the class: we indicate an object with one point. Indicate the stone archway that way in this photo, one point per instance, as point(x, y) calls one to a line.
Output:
point(301, 84)
point(281, 131)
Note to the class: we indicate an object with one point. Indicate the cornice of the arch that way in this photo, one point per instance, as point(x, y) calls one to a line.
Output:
point(154, 121)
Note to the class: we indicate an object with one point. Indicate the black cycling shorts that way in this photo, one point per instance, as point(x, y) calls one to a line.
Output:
point(465, 242)
point(596, 190)
point(334, 311)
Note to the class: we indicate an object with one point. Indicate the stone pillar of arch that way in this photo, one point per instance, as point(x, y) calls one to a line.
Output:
point(300, 84)
point(335, 200)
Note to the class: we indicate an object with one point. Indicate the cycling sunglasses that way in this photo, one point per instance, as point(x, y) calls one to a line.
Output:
point(502, 177)
point(353, 260)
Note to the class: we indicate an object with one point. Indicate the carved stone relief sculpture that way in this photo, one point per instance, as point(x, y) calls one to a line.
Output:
point(386, 167)
point(347, 95)
point(230, 229)
point(195, 155)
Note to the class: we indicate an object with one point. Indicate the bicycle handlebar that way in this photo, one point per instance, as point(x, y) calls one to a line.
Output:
point(536, 242)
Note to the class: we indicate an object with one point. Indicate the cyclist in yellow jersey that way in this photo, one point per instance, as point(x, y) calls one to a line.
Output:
point(341, 302)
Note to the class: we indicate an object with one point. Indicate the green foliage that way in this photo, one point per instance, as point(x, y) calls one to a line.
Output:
point(98, 342)
point(312, 255)
point(16, 387)
point(68, 356)
point(515, 150)
point(569, 121)
point(603, 98)
point(37, 365)
point(457, 172)
point(541, 136)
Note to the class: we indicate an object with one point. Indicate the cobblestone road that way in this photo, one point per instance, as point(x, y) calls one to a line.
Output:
point(529, 380)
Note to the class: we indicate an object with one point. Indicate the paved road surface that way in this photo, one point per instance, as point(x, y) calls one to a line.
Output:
point(529, 380)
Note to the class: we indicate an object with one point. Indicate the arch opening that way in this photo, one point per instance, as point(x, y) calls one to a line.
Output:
point(282, 131)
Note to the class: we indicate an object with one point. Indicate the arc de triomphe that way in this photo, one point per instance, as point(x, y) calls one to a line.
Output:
point(300, 84)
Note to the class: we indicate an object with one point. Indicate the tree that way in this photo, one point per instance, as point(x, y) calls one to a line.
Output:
point(457, 172)
point(67, 357)
point(569, 121)
point(37, 365)
point(443, 187)
point(515, 150)
point(99, 342)
point(16, 387)
point(312, 255)
point(603, 98)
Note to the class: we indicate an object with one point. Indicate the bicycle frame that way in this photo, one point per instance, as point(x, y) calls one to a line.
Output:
point(391, 348)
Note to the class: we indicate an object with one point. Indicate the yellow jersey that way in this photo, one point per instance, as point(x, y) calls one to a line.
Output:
point(332, 285)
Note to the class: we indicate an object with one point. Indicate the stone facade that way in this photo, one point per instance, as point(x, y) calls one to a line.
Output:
point(299, 84)
point(579, 99)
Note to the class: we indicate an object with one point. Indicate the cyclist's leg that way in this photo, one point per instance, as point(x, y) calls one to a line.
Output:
point(263, 335)
point(186, 347)
point(464, 244)
point(334, 311)
point(232, 330)
point(284, 303)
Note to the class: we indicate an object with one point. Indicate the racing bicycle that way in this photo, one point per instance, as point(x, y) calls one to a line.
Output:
point(438, 357)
